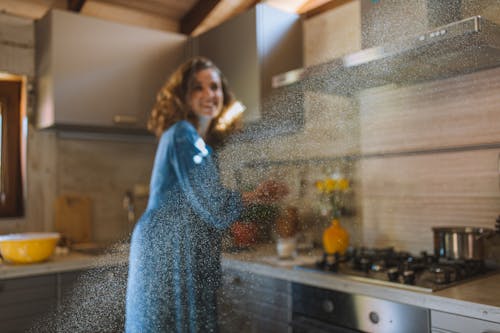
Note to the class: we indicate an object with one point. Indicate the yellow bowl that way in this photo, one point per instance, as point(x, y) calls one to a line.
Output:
point(27, 248)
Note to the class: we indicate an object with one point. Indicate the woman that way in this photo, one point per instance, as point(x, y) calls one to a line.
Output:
point(174, 267)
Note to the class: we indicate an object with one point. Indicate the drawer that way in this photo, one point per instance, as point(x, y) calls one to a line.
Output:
point(451, 323)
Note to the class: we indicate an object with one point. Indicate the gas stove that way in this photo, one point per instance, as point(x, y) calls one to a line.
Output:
point(389, 267)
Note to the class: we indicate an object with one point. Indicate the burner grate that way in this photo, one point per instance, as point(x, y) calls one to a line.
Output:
point(399, 268)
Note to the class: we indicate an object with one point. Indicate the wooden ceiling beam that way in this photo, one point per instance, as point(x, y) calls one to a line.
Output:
point(196, 15)
point(315, 7)
point(224, 11)
point(75, 5)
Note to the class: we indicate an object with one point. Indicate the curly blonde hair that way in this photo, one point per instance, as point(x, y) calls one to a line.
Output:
point(171, 102)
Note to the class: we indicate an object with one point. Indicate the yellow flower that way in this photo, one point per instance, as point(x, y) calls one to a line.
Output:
point(343, 184)
point(320, 185)
point(331, 185)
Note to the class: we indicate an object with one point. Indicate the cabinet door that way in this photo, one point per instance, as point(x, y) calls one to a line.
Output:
point(92, 300)
point(232, 46)
point(442, 322)
point(253, 303)
point(94, 73)
point(250, 49)
point(26, 301)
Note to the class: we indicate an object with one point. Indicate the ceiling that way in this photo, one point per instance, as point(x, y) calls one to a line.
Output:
point(190, 17)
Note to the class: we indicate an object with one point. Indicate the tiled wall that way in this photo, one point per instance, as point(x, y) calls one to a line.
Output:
point(103, 170)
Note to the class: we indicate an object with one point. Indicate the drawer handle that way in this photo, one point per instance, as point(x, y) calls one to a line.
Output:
point(122, 119)
point(328, 306)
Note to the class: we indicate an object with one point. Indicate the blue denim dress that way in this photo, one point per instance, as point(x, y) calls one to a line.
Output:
point(174, 266)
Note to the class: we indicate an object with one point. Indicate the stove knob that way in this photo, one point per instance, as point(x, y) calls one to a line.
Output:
point(327, 306)
point(393, 274)
point(374, 318)
point(409, 277)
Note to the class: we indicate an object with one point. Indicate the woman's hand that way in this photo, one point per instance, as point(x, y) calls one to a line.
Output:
point(266, 192)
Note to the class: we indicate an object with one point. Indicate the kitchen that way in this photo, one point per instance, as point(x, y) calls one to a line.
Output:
point(431, 159)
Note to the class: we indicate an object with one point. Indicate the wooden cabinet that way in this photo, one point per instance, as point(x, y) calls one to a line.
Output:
point(83, 301)
point(442, 322)
point(250, 49)
point(23, 301)
point(92, 300)
point(96, 75)
point(253, 303)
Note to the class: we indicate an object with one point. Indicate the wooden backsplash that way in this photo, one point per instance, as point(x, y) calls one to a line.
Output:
point(433, 155)
point(456, 112)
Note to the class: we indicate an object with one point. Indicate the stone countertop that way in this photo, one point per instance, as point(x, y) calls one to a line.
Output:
point(479, 298)
point(62, 263)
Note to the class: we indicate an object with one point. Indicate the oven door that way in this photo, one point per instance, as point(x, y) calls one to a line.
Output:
point(302, 324)
point(320, 310)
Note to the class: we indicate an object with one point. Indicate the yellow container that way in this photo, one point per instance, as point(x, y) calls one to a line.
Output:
point(335, 238)
point(27, 248)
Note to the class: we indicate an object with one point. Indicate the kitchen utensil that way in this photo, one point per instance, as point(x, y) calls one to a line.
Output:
point(460, 242)
point(73, 217)
point(27, 248)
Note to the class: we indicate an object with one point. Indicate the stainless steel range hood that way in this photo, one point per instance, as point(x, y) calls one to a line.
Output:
point(457, 48)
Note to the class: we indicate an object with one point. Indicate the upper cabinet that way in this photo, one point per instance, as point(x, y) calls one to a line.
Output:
point(96, 75)
point(250, 49)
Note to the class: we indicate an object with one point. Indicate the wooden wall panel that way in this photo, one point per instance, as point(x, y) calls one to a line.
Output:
point(405, 196)
point(333, 34)
point(460, 111)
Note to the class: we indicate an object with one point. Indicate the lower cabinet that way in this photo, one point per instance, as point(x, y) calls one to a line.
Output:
point(91, 301)
point(442, 322)
point(24, 301)
point(253, 303)
point(77, 301)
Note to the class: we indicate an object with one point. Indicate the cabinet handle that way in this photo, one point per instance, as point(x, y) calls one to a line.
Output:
point(123, 119)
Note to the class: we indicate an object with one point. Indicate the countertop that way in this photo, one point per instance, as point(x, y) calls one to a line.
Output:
point(72, 261)
point(479, 298)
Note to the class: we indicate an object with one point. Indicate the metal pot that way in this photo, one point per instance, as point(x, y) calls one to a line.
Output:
point(460, 242)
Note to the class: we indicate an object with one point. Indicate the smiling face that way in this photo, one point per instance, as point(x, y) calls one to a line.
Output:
point(205, 97)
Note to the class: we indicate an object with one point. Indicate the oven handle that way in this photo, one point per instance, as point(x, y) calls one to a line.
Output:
point(306, 325)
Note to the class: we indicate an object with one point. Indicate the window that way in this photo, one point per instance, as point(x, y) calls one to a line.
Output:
point(11, 171)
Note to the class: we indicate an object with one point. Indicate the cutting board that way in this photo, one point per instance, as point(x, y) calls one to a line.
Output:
point(73, 217)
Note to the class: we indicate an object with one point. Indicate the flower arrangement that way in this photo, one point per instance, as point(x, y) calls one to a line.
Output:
point(334, 191)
